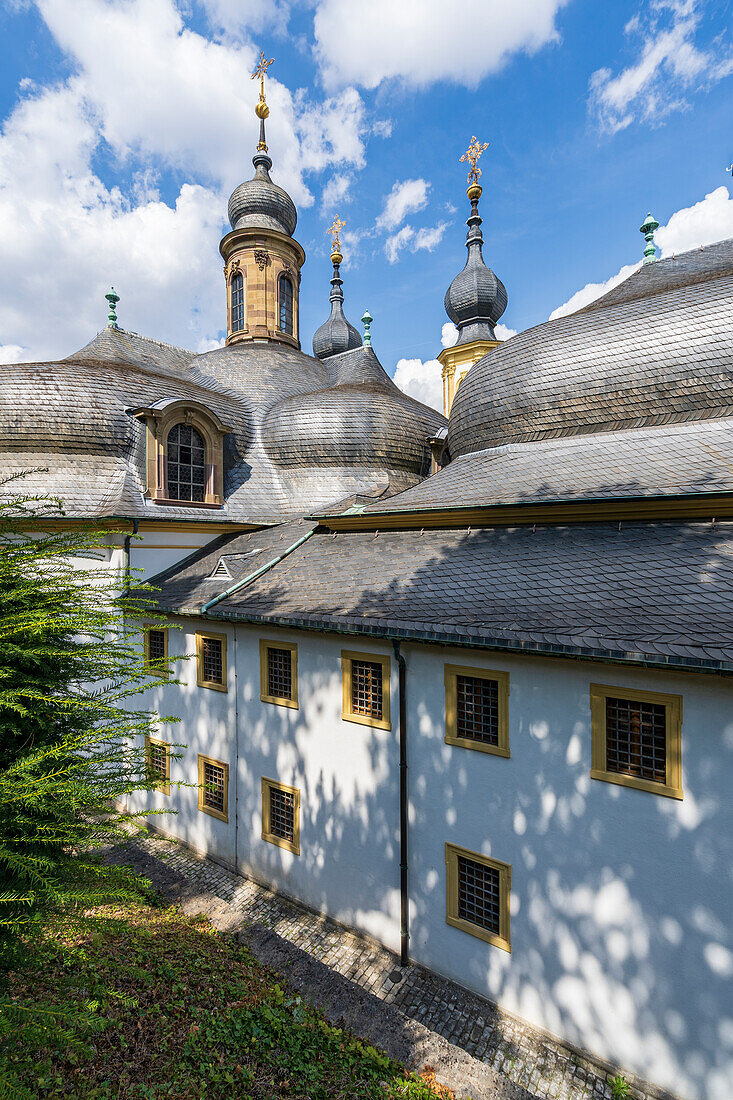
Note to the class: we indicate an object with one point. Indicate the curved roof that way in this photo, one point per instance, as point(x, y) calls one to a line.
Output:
point(476, 298)
point(304, 434)
point(657, 348)
point(260, 204)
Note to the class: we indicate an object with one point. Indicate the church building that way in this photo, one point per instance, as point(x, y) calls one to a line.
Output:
point(463, 685)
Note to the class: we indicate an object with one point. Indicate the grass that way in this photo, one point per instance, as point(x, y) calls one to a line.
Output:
point(143, 1002)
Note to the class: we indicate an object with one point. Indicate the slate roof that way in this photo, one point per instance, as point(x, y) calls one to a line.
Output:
point(656, 349)
point(660, 593)
point(673, 460)
point(304, 434)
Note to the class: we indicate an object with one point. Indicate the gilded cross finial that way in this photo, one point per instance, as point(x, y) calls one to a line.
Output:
point(335, 234)
point(472, 155)
point(261, 109)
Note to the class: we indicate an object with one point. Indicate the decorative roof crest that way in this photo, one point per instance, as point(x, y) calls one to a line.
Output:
point(471, 156)
point(261, 109)
point(648, 228)
point(113, 298)
point(366, 320)
point(335, 233)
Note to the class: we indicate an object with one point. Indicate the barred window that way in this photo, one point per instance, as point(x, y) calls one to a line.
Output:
point(158, 759)
point(156, 645)
point(211, 650)
point(279, 678)
point(237, 292)
point(636, 739)
point(478, 709)
point(281, 815)
point(285, 290)
point(214, 787)
point(478, 895)
point(366, 688)
point(186, 464)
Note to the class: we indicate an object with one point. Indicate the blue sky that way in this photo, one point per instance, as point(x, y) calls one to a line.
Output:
point(125, 125)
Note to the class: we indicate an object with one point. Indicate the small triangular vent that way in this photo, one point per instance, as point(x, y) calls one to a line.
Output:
point(220, 571)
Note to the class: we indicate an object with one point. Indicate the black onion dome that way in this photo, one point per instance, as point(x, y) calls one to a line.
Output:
point(476, 298)
point(261, 204)
point(336, 334)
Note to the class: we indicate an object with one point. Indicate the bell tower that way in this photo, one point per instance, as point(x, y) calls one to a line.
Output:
point(262, 261)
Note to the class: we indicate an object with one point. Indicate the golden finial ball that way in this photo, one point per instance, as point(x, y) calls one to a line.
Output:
point(261, 109)
point(475, 191)
point(336, 256)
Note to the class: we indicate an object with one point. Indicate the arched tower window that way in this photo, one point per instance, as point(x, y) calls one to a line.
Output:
point(285, 295)
point(237, 298)
point(186, 454)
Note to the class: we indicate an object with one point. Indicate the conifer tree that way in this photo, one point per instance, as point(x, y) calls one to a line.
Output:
point(72, 731)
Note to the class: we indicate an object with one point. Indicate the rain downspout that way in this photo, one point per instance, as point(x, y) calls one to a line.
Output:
point(257, 573)
point(126, 551)
point(404, 898)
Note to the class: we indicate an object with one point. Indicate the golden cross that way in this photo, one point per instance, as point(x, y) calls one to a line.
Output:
point(261, 71)
point(471, 155)
point(335, 232)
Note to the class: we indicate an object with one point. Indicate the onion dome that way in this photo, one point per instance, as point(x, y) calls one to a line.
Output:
point(476, 298)
point(336, 334)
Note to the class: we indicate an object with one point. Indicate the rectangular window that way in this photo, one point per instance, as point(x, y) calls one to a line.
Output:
point(155, 649)
point(158, 756)
point(637, 739)
point(214, 787)
point(478, 893)
point(477, 709)
point(211, 661)
point(279, 673)
point(281, 815)
point(366, 688)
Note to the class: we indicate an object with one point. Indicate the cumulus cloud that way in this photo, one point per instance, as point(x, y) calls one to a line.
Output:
point(449, 335)
point(243, 16)
point(430, 236)
point(406, 197)
point(669, 63)
point(708, 221)
point(421, 43)
point(337, 191)
point(421, 380)
point(394, 244)
point(426, 239)
point(153, 95)
point(503, 332)
point(11, 353)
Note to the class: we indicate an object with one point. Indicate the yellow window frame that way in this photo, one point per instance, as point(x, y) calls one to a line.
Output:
point(267, 834)
point(222, 815)
point(266, 644)
point(673, 729)
point(201, 682)
point(348, 656)
point(503, 939)
point(452, 672)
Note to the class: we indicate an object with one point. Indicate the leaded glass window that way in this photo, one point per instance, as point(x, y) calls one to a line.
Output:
point(237, 293)
point(186, 454)
point(285, 288)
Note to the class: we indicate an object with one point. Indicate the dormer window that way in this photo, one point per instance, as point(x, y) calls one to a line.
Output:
point(237, 301)
point(285, 298)
point(185, 453)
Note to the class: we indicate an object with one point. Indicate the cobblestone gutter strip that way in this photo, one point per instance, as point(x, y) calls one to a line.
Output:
point(464, 1037)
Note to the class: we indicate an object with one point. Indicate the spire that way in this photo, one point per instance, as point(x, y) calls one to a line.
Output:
point(113, 298)
point(366, 320)
point(336, 334)
point(649, 228)
point(476, 298)
point(261, 109)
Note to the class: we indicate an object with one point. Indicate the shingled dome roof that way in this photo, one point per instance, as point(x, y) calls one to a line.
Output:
point(656, 348)
point(261, 204)
point(476, 298)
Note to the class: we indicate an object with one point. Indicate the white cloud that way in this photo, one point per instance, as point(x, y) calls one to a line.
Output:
point(430, 236)
point(160, 96)
point(394, 244)
point(706, 222)
point(449, 335)
point(419, 42)
point(11, 353)
point(503, 332)
point(406, 197)
point(232, 16)
point(669, 63)
point(337, 191)
point(421, 380)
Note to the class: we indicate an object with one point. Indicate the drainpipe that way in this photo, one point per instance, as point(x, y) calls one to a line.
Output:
point(128, 537)
point(257, 573)
point(404, 899)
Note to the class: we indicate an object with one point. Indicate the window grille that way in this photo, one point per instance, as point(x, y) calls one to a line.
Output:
point(211, 660)
point(279, 673)
point(282, 814)
point(366, 688)
point(477, 709)
point(156, 645)
point(479, 894)
point(285, 288)
point(214, 787)
point(158, 761)
point(237, 293)
point(186, 464)
point(636, 739)
point(221, 570)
